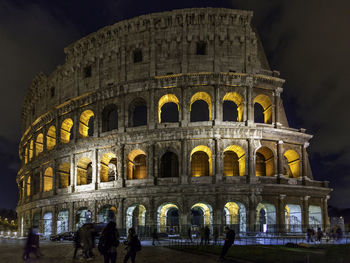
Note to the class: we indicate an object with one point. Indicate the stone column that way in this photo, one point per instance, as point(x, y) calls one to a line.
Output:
point(305, 216)
point(55, 182)
point(185, 163)
point(325, 218)
point(121, 168)
point(304, 162)
point(218, 106)
point(280, 214)
point(94, 169)
point(277, 98)
point(280, 158)
point(251, 163)
point(251, 213)
point(249, 102)
point(151, 116)
point(73, 172)
point(120, 215)
point(185, 111)
point(71, 218)
point(54, 220)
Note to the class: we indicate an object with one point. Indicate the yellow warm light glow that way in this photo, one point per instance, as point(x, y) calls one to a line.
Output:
point(241, 157)
point(206, 211)
point(28, 185)
point(106, 158)
point(163, 216)
point(64, 174)
point(206, 149)
point(132, 165)
point(51, 138)
point(84, 123)
point(265, 102)
point(202, 96)
point(238, 100)
point(269, 161)
point(39, 144)
point(31, 146)
point(48, 179)
point(166, 99)
point(26, 155)
point(66, 127)
point(293, 163)
point(287, 214)
point(233, 210)
point(82, 168)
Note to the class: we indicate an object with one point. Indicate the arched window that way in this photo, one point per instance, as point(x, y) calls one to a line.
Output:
point(109, 118)
point(200, 107)
point(233, 107)
point(264, 165)
point(234, 161)
point(48, 179)
point(86, 124)
point(84, 171)
point(168, 108)
point(264, 108)
point(168, 218)
point(201, 164)
point(266, 217)
point(138, 113)
point(64, 175)
point(137, 165)
point(292, 164)
point(39, 144)
point(169, 165)
point(51, 138)
point(108, 166)
point(66, 130)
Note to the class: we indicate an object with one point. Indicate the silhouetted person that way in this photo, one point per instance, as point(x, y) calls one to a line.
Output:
point(155, 237)
point(206, 235)
point(77, 244)
point(229, 240)
point(109, 241)
point(86, 233)
point(309, 234)
point(32, 245)
point(133, 245)
point(319, 234)
point(215, 235)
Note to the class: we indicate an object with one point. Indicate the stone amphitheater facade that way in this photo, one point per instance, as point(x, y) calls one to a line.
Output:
point(154, 121)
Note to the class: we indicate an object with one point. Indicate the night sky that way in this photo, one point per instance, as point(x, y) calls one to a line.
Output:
point(307, 41)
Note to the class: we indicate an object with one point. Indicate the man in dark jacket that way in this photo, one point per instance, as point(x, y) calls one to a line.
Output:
point(229, 240)
point(133, 246)
point(109, 241)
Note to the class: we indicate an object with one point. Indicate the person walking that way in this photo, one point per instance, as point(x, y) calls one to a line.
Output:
point(133, 245)
point(155, 237)
point(206, 235)
point(229, 240)
point(86, 233)
point(109, 241)
point(32, 245)
point(319, 234)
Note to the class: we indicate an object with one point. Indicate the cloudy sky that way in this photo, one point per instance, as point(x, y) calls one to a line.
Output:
point(308, 41)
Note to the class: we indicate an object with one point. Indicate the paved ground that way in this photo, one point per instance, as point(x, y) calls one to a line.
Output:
point(11, 252)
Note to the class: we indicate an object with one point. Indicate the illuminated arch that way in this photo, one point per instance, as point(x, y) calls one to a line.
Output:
point(63, 221)
point(26, 155)
point(107, 213)
point(293, 220)
point(202, 96)
point(39, 144)
point(66, 130)
point(293, 160)
point(164, 220)
point(137, 165)
point(48, 179)
point(84, 171)
point(136, 216)
point(206, 218)
point(29, 180)
point(64, 175)
point(47, 220)
point(51, 138)
point(85, 126)
point(168, 98)
point(197, 168)
point(266, 104)
point(238, 100)
point(235, 215)
point(266, 217)
point(264, 162)
point(31, 150)
point(228, 164)
point(315, 216)
point(108, 167)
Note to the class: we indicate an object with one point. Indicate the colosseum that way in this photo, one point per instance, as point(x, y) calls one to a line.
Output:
point(168, 120)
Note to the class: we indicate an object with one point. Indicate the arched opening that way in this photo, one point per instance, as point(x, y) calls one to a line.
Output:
point(107, 214)
point(137, 165)
point(168, 218)
point(264, 110)
point(84, 171)
point(136, 217)
point(110, 118)
point(51, 138)
point(138, 113)
point(39, 144)
point(86, 124)
point(315, 216)
point(62, 221)
point(201, 161)
point(235, 216)
point(234, 161)
point(200, 107)
point(108, 170)
point(31, 150)
point(47, 224)
point(29, 179)
point(233, 107)
point(293, 219)
point(82, 217)
point(264, 162)
point(169, 165)
point(201, 215)
point(168, 108)
point(64, 175)
point(66, 130)
point(48, 179)
point(292, 164)
point(266, 217)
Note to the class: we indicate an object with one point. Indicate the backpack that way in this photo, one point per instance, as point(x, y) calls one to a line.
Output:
point(102, 246)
